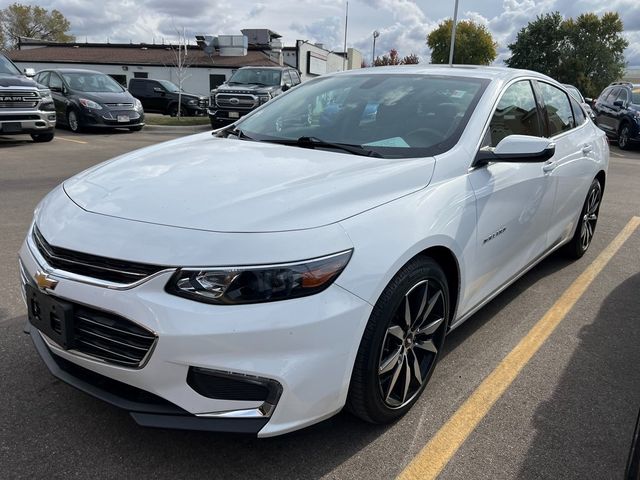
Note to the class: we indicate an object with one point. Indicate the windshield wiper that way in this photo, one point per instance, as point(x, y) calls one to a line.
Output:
point(314, 142)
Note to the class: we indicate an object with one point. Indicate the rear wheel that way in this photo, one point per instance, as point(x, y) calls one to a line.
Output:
point(42, 137)
point(623, 136)
point(586, 227)
point(401, 343)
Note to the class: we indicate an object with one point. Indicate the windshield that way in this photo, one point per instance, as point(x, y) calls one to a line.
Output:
point(575, 93)
point(169, 86)
point(91, 82)
point(394, 116)
point(257, 76)
point(8, 68)
point(635, 96)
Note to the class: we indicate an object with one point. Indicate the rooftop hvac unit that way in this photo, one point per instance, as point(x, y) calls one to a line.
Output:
point(233, 45)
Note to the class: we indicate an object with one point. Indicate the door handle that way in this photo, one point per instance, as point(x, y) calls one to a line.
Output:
point(549, 166)
point(587, 149)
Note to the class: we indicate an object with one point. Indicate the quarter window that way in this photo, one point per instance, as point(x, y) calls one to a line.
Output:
point(578, 113)
point(55, 81)
point(516, 114)
point(558, 108)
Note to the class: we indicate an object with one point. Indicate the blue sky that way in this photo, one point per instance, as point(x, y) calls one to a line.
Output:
point(403, 24)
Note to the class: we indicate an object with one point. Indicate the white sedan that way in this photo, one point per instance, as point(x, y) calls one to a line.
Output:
point(315, 254)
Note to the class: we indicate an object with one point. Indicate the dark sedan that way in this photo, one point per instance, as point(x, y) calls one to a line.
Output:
point(90, 99)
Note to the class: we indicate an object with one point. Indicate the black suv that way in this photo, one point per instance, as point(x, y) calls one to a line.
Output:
point(617, 111)
point(161, 96)
point(247, 89)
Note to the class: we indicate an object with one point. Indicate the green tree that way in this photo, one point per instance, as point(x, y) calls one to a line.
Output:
point(594, 54)
point(539, 45)
point(29, 21)
point(587, 52)
point(474, 43)
point(411, 59)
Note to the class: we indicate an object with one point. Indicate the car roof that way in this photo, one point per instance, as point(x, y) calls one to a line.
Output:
point(476, 71)
point(70, 70)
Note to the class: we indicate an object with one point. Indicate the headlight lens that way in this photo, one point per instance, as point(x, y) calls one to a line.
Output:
point(137, 104)
point(45, 95)
point(268, 283)
point(192, 102)
point(264, 98)
point(90, 104)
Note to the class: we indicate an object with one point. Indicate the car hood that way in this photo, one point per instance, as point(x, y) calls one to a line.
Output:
point(17, 81)
point(105, 97)
point(249, 88)
point(214, 184)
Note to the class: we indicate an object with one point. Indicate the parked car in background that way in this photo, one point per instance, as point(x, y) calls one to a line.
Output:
point(163, 96)
point(90, 99)
point(25, 106)
point(617, 111)
point(246, 90)
point(578, 96)
point(261, 278)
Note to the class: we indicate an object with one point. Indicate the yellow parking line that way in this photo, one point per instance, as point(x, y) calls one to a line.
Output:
point(70, 140)
point(445, 443)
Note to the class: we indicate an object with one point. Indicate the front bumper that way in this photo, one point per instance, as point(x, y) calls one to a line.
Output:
point(109, 118)
point(26, 121)
point(306, 345)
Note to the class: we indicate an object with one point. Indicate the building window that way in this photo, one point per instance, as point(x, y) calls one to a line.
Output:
point(140, 75)
point(121, 79)
point(216, 80)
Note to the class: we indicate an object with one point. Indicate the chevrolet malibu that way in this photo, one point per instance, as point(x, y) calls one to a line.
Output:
point(315, 254)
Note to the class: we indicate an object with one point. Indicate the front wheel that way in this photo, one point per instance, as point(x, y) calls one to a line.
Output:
point(623, 137)
point(42, 137)
point(586, 227)
point(401, 343)
point(173, 110)
point(73, 121)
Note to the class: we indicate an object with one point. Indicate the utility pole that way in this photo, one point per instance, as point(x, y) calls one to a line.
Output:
point(453, 33)
point(376, 34)
point(346, 24)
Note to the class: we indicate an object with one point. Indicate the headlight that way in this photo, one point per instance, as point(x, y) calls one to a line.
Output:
point(264, 98)
point(137, 104)
point(268, 283)
point(89, 104)
point(45, 95)
point(192, 102)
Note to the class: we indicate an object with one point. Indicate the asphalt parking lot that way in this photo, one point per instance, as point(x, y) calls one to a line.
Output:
point(569, 412)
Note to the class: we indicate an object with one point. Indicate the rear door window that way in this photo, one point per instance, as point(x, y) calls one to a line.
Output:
point(558, 109)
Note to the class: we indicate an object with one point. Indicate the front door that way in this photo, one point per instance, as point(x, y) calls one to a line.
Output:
point(513, 200)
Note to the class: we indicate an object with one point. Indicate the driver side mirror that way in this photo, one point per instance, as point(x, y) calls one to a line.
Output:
point(619, 103)
point(29, 72)
point(158, 90)
point(286, 86)
point(517, 149)
point(56, 89)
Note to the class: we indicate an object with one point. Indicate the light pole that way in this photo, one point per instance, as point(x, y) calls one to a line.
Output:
point(376, 34)
point(453, 33)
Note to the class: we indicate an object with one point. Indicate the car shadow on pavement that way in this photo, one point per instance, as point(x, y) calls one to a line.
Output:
point(585, 429)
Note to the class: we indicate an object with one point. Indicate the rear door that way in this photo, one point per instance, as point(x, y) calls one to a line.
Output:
point(513, 200)
point(571, 169)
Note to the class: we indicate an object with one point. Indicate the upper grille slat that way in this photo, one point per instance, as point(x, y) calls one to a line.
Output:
point(103, 268)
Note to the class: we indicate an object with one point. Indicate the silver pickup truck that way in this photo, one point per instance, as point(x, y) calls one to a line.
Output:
point(25, 106)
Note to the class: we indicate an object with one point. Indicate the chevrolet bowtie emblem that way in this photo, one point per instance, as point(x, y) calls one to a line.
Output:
point(45, 282)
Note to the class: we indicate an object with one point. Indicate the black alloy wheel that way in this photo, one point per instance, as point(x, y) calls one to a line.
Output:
point(401, 343)
point(623, 137)
point(586, 227)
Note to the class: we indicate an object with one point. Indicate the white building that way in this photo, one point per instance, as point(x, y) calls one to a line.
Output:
point(312, 59)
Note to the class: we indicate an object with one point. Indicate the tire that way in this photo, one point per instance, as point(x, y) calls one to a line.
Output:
point(173, 110)
point(390, 354)
point(135, 129)
point(579, 243)
point(623, 137)
point(42, 137)
point(73, 121)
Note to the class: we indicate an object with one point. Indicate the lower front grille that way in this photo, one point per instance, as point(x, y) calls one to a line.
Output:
point(111, 338)
point(103, 268)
